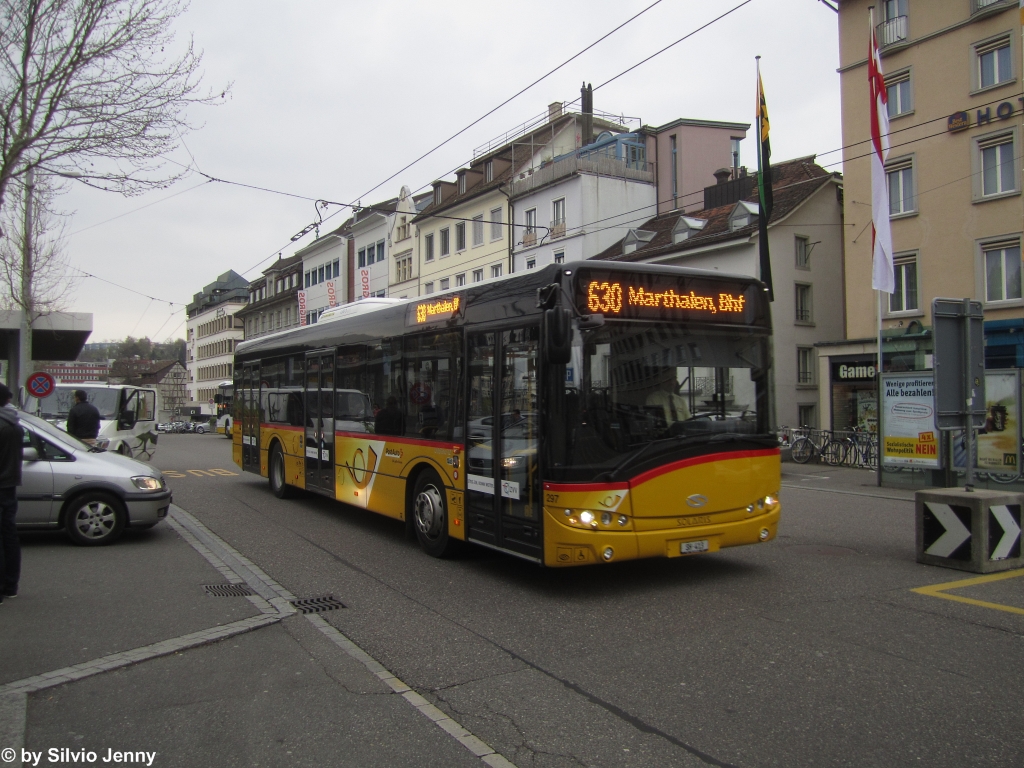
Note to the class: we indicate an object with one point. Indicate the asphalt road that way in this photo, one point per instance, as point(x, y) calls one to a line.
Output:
point(809, 650)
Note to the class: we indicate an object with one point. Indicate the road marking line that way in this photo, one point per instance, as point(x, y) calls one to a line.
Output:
point(224, 553)
point(13, 714)
point(940, 590)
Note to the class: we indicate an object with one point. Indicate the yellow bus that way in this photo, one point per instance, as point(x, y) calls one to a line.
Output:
point(580, 413)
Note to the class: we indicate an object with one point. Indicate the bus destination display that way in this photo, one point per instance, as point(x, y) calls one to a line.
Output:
point(424, 312)
point(662, 297)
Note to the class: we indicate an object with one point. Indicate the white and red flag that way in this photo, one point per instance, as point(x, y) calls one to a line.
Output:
point(881, 235)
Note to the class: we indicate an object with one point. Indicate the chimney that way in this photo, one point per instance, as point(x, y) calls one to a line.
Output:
point(554, 111)
point(587, 101)
point(722, 175)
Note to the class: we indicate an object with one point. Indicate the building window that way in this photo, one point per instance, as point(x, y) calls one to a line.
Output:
point(437, 195)
point(806, 416)
point(1002, 271)
point(460, 236)
point(995, 62)
point(531, 221)
point(361, 258)
point(489, 171)
point(559, 257)
point(803, 252)
point(558, 211)
point(428, 287)
point(337, 267)
point(496, 270)
point(897, 88)
point(997, 166)
point(428, 247)
point(462, 184)
point(496, 227)
point(805, 365)
point(904, 295)
point(445, 243)
point(478, 275)
point(675, 168)
point(320, 275)
point(478, 230)
point(460, 280)
point(900, 174)
point(531, 264)
point(445, 283)
point(287, 316)
point(380, 251)
point(804, 305)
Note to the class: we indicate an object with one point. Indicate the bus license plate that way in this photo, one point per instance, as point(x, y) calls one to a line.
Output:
point(689, 547)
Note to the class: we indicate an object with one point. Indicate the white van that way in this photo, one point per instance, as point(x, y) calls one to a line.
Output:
point(127, 415)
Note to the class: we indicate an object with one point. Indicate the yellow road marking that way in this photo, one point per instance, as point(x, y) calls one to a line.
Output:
point(215, 472)
point(940, 590)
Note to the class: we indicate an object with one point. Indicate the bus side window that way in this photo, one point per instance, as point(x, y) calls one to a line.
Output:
point(131, 402)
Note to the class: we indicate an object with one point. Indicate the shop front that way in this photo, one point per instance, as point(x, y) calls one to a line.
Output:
point(854, 392)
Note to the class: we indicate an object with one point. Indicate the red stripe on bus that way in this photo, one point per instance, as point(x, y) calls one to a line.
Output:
point(568, 487)
point(282, 427)
point(401, 440)
point(724, 456)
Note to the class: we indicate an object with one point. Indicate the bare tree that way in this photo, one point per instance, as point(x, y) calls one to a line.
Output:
point(89, 90)
point(34, 271)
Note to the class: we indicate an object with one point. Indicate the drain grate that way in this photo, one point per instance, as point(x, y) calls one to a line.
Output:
point(228, 590)
point(317, 604)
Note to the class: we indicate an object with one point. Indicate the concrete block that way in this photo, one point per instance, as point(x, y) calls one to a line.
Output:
point(978, 531)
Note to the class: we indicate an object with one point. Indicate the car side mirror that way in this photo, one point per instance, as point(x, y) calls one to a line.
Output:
point(126, 420)
point(29, 453)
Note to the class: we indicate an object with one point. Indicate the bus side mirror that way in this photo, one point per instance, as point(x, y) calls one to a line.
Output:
point(126, 420)
point(218, 399)
point(558, 336)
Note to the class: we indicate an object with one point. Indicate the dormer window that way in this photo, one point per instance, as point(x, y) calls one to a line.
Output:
point(636, 239)
point(462, 184)
point(743, 215)
point(437, 195)
point(489, 171)
point(686, 228)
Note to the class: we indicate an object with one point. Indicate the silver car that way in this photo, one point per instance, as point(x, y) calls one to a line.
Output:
point(92, 494)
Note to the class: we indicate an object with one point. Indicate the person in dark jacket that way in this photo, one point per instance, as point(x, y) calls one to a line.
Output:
point(83, 418)
point(391, 420)
point(11, 435)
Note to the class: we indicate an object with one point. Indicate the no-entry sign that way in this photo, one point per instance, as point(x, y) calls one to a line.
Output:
point(40, 384)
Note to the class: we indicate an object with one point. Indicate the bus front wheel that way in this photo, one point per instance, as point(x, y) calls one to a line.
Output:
point(278, 486)
point(430, 515)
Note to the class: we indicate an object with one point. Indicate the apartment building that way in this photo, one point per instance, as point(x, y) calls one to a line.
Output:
point(213, 329)
point(953, 79)
point(323, 271)
point(806, 246)
point(273, 303)
point(373, 232)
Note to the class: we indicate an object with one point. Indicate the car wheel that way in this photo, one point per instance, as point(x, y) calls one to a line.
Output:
point(124, 450)
point(278, 485)
point(95, 518)
point(201, 430)
point(430, 515)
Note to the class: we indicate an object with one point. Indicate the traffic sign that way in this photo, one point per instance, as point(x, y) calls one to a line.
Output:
point(40, 384)
point(211, 401)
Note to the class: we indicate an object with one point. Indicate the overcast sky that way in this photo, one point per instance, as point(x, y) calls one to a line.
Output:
point(330, 98)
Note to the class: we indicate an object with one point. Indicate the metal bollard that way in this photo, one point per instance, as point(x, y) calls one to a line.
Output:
point(977, 531)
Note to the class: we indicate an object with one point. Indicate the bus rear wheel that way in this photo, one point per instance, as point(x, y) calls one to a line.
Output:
point(430, 515)
point(278, 486)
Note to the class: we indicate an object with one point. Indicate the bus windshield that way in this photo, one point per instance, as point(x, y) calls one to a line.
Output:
point(635, 387)
point(58, 404)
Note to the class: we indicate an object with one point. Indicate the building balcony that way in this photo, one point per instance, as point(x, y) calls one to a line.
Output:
point(977, 6)
point(557, 229)
point(530, 239)
point(894, 31)
point(528, 181)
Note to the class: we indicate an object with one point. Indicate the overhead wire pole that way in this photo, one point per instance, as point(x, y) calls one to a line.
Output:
point(25, 332)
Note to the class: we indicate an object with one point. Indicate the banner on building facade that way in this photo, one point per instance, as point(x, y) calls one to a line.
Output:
point(364, 281)
point(302, 307)
point(909, 436)
point(332, 294)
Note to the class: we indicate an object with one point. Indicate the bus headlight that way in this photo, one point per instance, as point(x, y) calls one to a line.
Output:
point(586, 517)
point(147, 483)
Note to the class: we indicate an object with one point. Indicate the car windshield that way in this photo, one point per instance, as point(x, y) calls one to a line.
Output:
point(51, 431)
point(58, 404)
point(631, 385)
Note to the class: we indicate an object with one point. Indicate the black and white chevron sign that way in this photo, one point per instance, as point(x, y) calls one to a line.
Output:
point(947, 530)
point(1004, 532)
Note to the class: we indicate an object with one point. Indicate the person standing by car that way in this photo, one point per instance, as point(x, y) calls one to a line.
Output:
point(11, 435)
point(83, 419)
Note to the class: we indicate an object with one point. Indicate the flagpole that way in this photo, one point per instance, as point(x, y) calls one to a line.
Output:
point(881, 357)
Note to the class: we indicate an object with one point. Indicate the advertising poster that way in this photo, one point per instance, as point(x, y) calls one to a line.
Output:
point(999, 441)
point(909, 438)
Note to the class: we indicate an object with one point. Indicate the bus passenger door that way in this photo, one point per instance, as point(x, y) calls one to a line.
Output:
point(502, 481)
point(320, 422)
point(250, 397)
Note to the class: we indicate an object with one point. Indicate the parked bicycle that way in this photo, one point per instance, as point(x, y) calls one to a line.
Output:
point(818, 443)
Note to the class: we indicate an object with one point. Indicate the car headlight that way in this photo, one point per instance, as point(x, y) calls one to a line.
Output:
point(147, 483)
point(102, 443)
